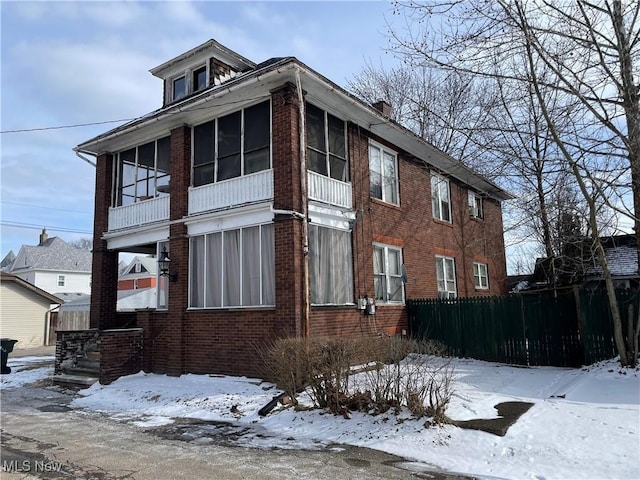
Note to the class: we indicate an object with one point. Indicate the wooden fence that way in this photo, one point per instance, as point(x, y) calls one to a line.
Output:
point(565, 328)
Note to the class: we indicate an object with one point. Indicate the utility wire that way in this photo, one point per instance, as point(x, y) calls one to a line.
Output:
point(39, 227)
point(45, 208)
point(40, 129)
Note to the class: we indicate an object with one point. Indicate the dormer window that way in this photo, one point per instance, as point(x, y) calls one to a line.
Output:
point(179, 88)
point(193, 80)
point(199, 78)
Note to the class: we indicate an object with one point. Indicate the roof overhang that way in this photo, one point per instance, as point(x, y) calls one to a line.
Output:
point(7, 277)
point(253, 85)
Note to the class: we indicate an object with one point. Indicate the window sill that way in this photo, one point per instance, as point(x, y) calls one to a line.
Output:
point(231, 309)
point(386, 204)
point(333, 305)
point(443, 223)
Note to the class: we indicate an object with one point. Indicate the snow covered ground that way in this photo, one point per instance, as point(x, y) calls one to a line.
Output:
point(585, 422)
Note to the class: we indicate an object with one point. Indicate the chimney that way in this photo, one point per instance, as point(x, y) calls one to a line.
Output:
point(43, 237)
point(383, 107)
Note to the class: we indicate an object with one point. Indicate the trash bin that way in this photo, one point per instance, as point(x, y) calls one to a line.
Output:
point(6, 345)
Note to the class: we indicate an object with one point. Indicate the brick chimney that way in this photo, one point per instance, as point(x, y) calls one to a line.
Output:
point(43, 237)
point(383, 107)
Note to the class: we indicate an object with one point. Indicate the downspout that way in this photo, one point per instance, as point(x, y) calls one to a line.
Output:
point(305, 199)
point(90, 162)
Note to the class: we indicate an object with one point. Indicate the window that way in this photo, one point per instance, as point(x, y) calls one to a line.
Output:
point(143, 172)
point(475, 205)
point(326, 144)
point(192, 80)
point(446, 276)
point(61, 280)
point(480, 276)
point(234, 145)
point(179, 89)
point(199, 78)
point(383, 170)
point(233, 268)
point(387, 274)
point(440, 198)
point(330, 266)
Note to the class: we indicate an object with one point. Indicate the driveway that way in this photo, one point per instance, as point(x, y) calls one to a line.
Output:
point(42, 437)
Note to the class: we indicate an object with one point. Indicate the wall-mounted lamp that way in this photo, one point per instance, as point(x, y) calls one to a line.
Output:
point(164, 262)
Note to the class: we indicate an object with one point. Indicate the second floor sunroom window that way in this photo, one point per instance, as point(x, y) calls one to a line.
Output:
point(326, 144)
point(234, 145)
point(142, 172)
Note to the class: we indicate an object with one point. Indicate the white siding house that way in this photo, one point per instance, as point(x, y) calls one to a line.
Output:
point(25, 311)
point(54, 266)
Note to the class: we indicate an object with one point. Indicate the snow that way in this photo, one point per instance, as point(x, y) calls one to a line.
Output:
point(585, 423)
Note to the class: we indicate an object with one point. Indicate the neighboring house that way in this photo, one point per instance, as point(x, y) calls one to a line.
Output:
point(621, 252)
point(25, 311)
point(54, 266)
point(286, 206)
point(7, 261)
point(141, 272)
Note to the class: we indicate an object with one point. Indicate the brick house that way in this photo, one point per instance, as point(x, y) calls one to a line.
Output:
point(285, 204)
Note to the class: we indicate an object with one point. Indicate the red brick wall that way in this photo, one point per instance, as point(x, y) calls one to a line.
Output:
point(104, 270)
point(120, 353)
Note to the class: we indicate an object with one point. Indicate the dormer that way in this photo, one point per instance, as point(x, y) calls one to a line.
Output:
point(206, 65)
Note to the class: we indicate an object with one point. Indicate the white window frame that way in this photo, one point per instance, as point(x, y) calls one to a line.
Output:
point(437, 181)
point(444, 282)
point(476, 207)
point(189, 87)
point(205, 261)
point(327, 153)
point(382, 150)
point(61, 280)
point(335, 263)
point(480, 278)
point(388, 277)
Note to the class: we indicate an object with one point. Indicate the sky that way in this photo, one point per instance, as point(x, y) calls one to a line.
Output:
point(78, 62)
point(584, 422)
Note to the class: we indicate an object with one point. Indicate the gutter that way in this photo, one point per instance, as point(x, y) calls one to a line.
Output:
point(188, 104)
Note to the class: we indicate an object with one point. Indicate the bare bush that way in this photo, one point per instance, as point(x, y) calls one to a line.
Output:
point(396, 372)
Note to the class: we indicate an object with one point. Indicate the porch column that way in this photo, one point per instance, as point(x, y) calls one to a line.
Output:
point(179, 250)
point(104, 270)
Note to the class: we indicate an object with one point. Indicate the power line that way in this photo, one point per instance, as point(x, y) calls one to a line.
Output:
point(45, 208)
point(40, 129)
point(31, 226)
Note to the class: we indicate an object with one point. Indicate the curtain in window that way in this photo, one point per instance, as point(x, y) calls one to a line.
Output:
point(330, 262)
point(389, 182)
point(231, 285)
point(197, 272)
point(379, 286)
point(268, 266)
point(213, 292)
point(251, 266)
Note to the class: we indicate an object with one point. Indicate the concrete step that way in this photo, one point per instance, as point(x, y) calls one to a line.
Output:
point(67, 379)
point(89, 372)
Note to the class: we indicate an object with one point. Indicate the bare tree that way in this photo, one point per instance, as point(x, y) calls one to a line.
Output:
point(82, 244)
point(577, 62)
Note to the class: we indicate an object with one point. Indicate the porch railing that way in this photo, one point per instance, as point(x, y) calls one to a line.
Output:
point(139, 213)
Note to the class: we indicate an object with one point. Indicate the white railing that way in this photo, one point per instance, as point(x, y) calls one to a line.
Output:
point(328, 190)
point(139, 213)
point(233, 192)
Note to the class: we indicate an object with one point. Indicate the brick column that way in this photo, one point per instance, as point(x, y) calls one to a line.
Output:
point(179, 249)
point(104, 272)
point(287, 196)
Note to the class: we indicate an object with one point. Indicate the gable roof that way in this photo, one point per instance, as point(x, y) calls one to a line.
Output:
point(53, 254)
point(7, 277)
point(150, 264)
point(259, 81)
point(7, 261)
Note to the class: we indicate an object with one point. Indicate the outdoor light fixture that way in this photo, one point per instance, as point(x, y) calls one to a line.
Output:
point(164, 262)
